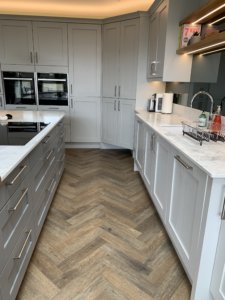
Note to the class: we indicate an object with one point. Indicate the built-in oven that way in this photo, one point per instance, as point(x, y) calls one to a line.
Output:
point(19, 88)
point(52, 89)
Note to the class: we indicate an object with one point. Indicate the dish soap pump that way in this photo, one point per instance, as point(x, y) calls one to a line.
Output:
point(202, 120)
point(216, 124)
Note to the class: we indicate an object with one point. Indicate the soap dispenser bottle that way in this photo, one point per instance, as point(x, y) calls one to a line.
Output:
point(202, 120)
point(216, 124)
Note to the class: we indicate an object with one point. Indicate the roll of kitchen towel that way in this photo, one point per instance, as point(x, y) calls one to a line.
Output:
point(167, 104)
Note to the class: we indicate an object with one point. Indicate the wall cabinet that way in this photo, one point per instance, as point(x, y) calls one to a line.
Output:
point(118, 122)
point(84, 60)
point(33, 43)
point(120, 57)
point(85, 118)
point(163, 63)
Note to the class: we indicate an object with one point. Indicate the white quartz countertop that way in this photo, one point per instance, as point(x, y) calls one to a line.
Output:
point(11, 156)
point(210, 157)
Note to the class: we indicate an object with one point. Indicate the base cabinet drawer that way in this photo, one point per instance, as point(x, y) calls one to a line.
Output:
point(13, 218)
point(12, 275)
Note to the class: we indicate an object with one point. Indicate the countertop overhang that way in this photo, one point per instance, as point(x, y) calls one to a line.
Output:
point(11, 156)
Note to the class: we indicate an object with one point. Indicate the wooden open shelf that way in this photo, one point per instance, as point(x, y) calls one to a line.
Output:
point(203, 10)
point(208, 41)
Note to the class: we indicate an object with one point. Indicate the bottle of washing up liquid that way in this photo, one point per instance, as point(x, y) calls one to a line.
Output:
point(202, 120)
point(216, 124)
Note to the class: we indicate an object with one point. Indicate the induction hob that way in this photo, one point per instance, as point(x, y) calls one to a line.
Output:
point(19, 133)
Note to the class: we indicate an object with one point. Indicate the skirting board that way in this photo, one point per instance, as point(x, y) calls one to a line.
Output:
point(91, 145)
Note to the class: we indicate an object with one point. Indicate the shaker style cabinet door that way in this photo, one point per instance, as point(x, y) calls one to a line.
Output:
point(85, 60)
point(110, 67)
point(218, 279)
point(50, 44)
point(128, 59)
point(185, 208)
point(16, 45)
point(140, 145)
point(109, 121)
point(85, 120)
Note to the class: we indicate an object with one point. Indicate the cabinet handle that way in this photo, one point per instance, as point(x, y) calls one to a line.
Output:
point(51, 186)
point(24, 245)
point(53, 108)
point(114, 105)
point(18, 175)
point(49, 154)
point(36, 54)
point(71, 103)
point(0, 99)
point(19, 201)
point(153, 137)
point(223, 211)
point(119, 105)
point(184, 164)
point(115, 90)
point(31, 57)
point(71, 89)
point(46, 141)
point(119, 91)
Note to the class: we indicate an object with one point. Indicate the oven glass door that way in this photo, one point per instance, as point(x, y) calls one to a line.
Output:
point(19, 88)
point(52, 89)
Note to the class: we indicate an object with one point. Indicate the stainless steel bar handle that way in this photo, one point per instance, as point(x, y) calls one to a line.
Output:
point(183, 163)
point(119, 105)
point(36, 55)
point(19, 201)
point(46, 141)
point(24, 245)
point(71, 89)
point(115, 90)
point(0, 100)
point(18, 175)
point(71, 103)
point(31, 57)
point(114, 105)
point(49, 154)
point(119, 91)
point(153, 142)
point(51, 186)
point(223, 211)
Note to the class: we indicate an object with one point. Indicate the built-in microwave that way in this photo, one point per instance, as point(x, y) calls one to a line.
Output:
point(19, 88)
point(52, 89)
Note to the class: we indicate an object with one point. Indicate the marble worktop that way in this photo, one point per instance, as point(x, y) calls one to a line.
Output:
point(11, 156)
point(210, 157)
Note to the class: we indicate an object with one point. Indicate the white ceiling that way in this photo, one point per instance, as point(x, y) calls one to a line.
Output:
point(97, 9)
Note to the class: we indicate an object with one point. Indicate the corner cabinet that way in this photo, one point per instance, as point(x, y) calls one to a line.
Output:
point(118, 122)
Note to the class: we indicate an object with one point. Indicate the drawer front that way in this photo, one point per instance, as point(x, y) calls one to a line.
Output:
point(13, 181)
point(35, 156)
point(44, 200)
point(3, 197)
point(13, 218)
point(12, 275)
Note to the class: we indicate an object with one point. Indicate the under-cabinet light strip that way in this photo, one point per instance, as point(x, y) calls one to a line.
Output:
point(204, 48)
point(210, 13)
point(213, 51)
point(216, 21)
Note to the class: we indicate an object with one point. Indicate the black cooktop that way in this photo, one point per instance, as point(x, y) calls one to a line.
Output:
point(19, 133)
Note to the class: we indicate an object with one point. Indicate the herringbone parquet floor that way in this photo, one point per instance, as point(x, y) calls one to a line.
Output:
point(102, 238)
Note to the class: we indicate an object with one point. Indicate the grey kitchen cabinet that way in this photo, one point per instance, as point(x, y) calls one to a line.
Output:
point(140, 144)
point(85, 119)
point(118, 122)
point(120, 59)
point(185, 208)
point(163, 62)
point(84, 60)
point(33, 43)
point(26, 195)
